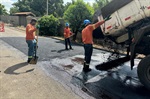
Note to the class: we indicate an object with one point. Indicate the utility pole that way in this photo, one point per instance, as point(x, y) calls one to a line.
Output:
point(47, 7)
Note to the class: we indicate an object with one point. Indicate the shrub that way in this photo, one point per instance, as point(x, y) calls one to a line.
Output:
point(49, 25)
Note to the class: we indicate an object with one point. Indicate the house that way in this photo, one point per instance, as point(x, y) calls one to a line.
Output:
point(23, 17)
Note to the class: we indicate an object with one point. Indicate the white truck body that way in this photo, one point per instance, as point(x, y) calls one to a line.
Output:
point(128, 14)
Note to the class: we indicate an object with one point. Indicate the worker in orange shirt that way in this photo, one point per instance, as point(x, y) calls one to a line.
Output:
point(30, 38)
point(67, 35)
point(87, 38)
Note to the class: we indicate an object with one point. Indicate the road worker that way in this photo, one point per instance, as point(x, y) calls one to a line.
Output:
point(30, 38)
point(67, 35)
point(87, 38)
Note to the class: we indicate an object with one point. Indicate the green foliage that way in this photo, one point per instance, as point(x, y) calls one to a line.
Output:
point(13, 10)
point(76, 14)
point(68, 4)
point(23, 5)
point(56, 8)
point(100, 3)
point(48, 25)
point(38, 7)
point(2, 10)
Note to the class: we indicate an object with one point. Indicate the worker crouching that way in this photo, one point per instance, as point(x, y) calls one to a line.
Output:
point(87, 38)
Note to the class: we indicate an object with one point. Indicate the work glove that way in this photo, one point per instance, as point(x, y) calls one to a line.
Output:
point(37, 26)
point(108, 18)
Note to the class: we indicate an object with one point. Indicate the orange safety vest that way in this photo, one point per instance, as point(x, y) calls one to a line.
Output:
point(30, 32)
point(67, 32)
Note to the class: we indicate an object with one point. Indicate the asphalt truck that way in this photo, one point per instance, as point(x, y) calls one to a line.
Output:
point(130, 25)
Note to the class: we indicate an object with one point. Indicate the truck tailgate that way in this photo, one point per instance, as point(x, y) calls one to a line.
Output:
point(123, 15)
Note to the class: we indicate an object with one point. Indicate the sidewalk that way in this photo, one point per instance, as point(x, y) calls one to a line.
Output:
point(18, 80)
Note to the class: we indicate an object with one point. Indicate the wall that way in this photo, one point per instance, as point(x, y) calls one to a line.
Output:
point(14, 20)
point(22, 21)
point(5, 19)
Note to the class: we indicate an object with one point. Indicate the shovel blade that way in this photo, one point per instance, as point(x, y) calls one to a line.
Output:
point(34, 60)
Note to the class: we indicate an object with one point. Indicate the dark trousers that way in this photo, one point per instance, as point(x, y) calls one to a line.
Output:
point(67, 41)
point(31, 47)
point(88, 52)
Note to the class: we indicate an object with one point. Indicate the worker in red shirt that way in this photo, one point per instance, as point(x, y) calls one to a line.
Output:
point(87, 38)
point(30, 38)
point(67, 35)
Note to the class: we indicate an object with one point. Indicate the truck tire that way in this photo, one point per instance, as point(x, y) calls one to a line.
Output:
point(144, 72)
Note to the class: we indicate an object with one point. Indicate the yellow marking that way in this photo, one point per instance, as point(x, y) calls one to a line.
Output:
point(29, 56)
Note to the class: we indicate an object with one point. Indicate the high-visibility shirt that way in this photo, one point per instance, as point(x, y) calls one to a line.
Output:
point(67, 32)
point(30, 29)
point(87, 32)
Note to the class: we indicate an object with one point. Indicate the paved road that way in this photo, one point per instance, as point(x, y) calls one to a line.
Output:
point(48, 48)
point(65, 67)
point(19, 80)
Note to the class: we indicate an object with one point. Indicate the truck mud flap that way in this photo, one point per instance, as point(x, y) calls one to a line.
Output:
point(112, 64)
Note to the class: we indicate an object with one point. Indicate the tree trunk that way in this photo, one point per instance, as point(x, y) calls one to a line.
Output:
point(75, 36)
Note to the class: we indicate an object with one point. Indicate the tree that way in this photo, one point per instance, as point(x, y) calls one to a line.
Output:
point(56, 8)
point(48, 25)
point(38, 7)
point(76, 14)
point(3, 11)
point(100, 3)
point(23, 5)
point(13, 10)
point(68, 4)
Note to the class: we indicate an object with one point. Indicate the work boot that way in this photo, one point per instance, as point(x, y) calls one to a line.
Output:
point(34, 60)
point(29, 59)
point(37, 57)
point(71, 48)
point(86, 68)
point(66, 49)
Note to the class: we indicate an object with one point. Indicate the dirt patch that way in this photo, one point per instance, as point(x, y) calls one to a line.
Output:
point(78, 60)
point(68, 66)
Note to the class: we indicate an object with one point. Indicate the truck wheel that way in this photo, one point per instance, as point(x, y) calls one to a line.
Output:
point(144, 72)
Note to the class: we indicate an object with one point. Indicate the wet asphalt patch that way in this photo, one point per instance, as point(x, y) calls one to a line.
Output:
point(112, 64)
point(117, 83)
